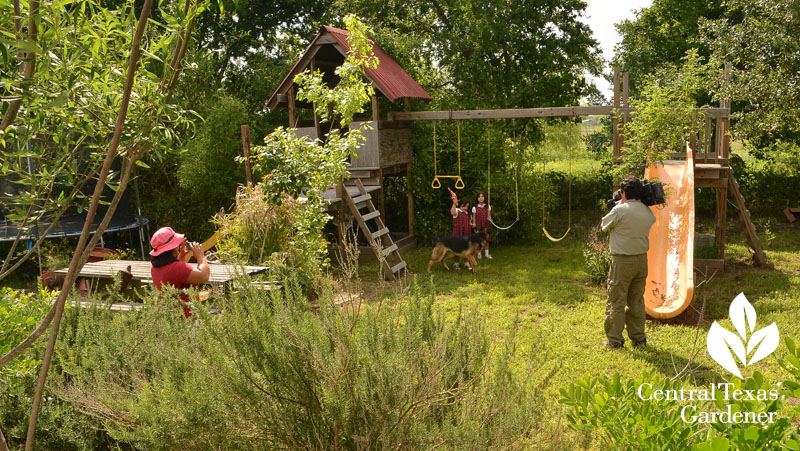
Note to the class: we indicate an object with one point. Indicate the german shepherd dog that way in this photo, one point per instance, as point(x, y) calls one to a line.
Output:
point(466, 247)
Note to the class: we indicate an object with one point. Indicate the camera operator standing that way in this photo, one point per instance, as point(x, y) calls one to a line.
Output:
point(629, 225)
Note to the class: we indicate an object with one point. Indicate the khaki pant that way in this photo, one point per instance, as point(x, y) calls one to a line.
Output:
point(626, 282)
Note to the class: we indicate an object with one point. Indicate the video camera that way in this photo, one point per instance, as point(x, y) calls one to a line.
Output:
point(652, 194)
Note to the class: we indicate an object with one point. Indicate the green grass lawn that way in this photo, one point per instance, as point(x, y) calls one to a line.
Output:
point(561, 314)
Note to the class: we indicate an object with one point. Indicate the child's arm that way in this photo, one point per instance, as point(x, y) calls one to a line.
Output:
point(489, 212)
point(453, 212)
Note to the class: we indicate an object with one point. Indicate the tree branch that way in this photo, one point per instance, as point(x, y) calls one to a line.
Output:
point(81, 250)
point(3, 443)
point(28, 65)
point(440, 13)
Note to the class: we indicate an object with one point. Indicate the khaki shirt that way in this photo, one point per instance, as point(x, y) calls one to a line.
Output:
point(629, 224)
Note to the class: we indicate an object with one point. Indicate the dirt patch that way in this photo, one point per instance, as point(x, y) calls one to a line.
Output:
point(689, 317)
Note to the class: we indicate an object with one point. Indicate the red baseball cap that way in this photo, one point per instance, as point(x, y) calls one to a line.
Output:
point(165, 239)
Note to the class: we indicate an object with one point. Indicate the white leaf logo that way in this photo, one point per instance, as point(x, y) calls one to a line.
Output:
point(723, 344)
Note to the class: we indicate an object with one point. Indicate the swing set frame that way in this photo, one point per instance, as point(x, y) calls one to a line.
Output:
point(712, 168)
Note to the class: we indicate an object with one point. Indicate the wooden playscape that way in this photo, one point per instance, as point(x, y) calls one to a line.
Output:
point(386, 153)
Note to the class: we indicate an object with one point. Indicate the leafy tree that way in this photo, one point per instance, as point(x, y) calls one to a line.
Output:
point(90, 57)
point(665, 115)
point(489, 54)
point(661, 34)
point(58, 118)
point(759, 38)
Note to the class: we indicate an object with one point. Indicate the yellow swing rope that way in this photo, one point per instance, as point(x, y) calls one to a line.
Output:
point(489, 174)
point(569, 201)
point(436, 183)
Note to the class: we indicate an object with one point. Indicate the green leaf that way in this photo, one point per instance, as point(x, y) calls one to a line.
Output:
point(720, 444)
point(58, 101)
point(4, 53)
point(28, 46)
point(751, 433)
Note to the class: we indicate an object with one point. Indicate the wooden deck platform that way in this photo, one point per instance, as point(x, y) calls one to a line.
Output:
point(116, 307)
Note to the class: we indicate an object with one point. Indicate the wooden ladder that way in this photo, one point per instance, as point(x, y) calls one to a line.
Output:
point(752, 237)
point(379, 240)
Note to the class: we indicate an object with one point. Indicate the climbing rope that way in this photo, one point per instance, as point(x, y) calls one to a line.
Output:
point(436, 183)
point(569, 199)
point(489, 172)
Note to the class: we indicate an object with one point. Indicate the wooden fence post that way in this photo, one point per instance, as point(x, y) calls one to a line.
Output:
point(246, 147)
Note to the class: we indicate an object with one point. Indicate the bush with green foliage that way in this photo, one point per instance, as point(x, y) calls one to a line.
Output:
point(60, 426)
point(19, 314)
point(277, 371)
point(771, 182)
point(665, 115)
point(596, 255)
point(612, 408)
point(261, 231)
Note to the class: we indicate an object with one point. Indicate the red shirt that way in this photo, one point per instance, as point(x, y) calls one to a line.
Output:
point(177, 275)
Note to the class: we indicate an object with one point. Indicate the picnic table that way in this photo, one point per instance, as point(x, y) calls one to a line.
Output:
point(107, 269)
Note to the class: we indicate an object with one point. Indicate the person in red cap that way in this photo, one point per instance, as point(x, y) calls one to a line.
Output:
point(168, 266)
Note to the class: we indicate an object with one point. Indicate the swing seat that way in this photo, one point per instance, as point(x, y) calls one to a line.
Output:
point(554, 239)
point(506, 227)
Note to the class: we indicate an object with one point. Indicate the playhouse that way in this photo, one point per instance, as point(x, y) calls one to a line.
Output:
point(387, 151)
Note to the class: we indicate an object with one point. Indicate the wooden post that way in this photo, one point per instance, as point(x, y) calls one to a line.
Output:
point(376, 113)
point(721, 220)
point(726, 121)
point(292, 109)
point(340, 214)
point(246, 147)
point(627, 116)
point(707, 140)
point(407, 104)
point(410, 192)
point(614, 120)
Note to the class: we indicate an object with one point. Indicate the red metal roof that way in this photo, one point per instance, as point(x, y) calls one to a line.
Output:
point(388, 77)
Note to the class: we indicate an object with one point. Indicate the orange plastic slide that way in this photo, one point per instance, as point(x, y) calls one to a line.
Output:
point(670, 260)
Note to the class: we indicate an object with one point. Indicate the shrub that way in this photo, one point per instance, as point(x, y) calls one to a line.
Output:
point(596, 255)
point(209, 172)
point(612, 408)
point(59, 425)
point(256, 228)
point(276, 371)
point(262, 231)
point(19, 315)
point(599, 142)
